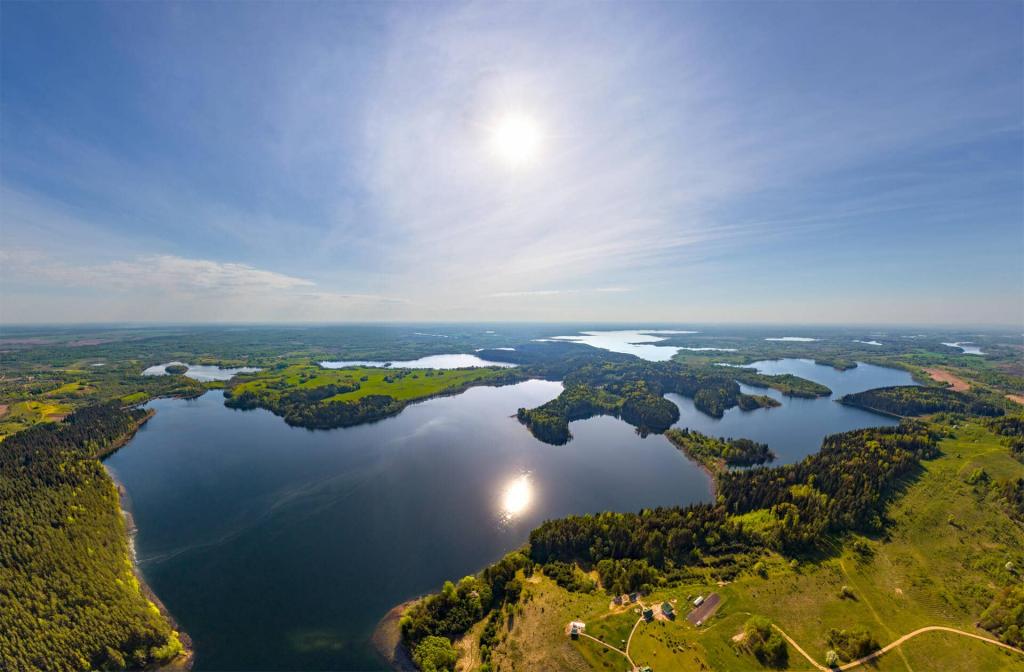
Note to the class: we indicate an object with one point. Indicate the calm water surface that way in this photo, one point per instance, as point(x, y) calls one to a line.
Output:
point(280, 548)
point(795, 429)
point(200, 372)
point(429, 362)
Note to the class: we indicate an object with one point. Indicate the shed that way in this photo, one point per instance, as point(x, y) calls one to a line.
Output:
point(699, 601)
point(666, 609)
point(648, 614)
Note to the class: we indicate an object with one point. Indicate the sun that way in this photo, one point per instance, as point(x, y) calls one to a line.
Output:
point(516, 139)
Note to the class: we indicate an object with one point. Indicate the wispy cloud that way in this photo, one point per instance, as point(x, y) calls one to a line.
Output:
point(558, 292)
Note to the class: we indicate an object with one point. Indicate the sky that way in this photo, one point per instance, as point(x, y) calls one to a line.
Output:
point(840, 162)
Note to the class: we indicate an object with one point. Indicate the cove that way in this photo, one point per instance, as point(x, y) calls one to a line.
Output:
point(795, 429)
point(280, 548)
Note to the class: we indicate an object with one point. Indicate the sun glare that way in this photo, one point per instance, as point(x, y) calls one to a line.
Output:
point(516, 139)
point(516, 496)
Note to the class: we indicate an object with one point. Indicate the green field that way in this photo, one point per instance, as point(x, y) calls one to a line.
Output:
point(401, 384)
point(940, 563)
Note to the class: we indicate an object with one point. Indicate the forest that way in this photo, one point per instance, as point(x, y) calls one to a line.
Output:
point(68, 593)
point(717, 454)
point(915, 400)
point(634, 391)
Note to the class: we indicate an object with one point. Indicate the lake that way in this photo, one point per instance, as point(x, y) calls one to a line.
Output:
point(280, 548)
point(201, 372)
point(429, 362)
point(637, 342)
point(795, 429)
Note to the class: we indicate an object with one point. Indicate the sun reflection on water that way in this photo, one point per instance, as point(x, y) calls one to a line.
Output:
point(516, 496)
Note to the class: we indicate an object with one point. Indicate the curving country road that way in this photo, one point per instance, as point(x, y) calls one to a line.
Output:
point(889, 647)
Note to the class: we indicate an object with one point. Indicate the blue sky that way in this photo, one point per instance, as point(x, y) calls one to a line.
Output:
point(762, 162)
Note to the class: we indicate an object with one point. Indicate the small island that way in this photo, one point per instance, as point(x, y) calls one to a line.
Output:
point(176, 369)
point(719, 454)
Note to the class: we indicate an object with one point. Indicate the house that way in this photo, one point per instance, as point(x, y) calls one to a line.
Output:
point(648, 614)
point(666, 609)
point(699, 601)
point(618, 599)
point(633, 597)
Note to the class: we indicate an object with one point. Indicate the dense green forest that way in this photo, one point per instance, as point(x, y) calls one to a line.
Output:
point(914, 400)
point(634, 391)
point(716, 454)
point(69, 599)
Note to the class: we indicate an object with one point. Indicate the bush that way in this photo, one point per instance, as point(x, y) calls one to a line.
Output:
point(851, 644)
point(435, 654)
point(767, 645)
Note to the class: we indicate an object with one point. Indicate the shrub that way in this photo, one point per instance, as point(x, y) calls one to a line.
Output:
point(765, 643)
point(435, 654)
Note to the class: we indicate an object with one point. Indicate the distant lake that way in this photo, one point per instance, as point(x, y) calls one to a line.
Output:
point(200, 372)
point(966, 348)
point(430, 362)
point(631, 342)
point(280, 548)
point(795, 429)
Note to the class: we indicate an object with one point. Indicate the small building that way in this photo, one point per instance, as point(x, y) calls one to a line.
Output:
point(618, 599)
point(645, 668)
point(666, 609)
point(633, 597)
point(574, 632)
point(699, 601)
point(648, 614)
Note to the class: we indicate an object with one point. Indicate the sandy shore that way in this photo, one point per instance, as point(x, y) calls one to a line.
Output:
point(387, 640)
point(185, 660)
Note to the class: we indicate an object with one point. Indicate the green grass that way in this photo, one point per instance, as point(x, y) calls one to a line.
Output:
point(23, 414)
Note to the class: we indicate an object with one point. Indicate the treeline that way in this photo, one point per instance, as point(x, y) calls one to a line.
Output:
point(69, 599)
point(843, 487)
point(1012, 427)
point(716, 454)
point(634, 391)
point(914, 400)
point(300, 411)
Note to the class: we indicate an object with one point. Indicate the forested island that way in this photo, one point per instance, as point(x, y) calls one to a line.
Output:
point(634, 391)
point(717, 454)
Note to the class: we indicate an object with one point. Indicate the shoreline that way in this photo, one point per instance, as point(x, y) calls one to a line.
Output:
point(184, 660)
point(387, 639)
